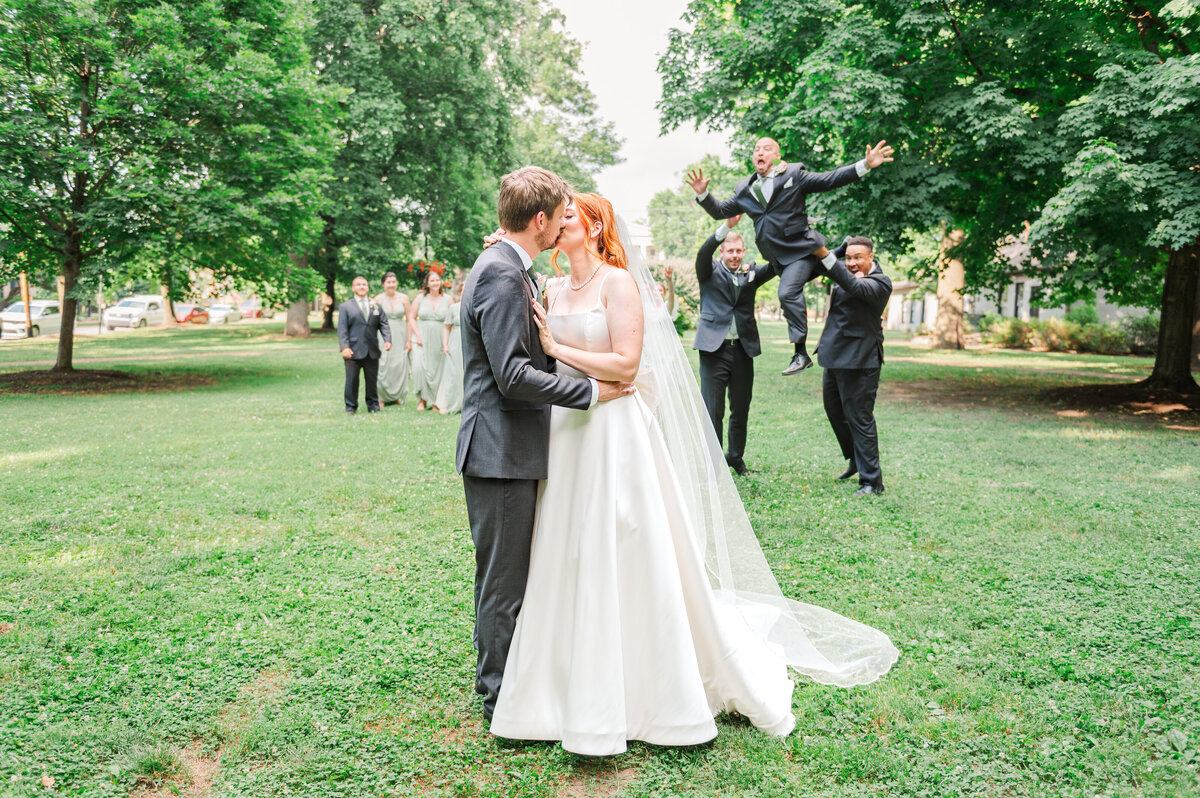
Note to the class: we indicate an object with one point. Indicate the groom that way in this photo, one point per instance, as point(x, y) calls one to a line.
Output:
point(508, 387)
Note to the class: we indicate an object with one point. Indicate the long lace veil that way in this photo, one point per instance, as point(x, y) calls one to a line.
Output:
point(823, 645)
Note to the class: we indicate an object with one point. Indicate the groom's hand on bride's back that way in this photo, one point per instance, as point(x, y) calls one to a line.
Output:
point(612, 390)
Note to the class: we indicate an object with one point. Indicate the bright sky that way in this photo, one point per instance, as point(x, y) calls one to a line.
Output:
point(622, 41)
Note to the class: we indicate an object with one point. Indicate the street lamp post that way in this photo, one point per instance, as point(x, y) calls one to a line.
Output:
point(426, 224)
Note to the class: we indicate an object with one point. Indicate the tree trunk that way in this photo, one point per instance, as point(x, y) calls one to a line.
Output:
point(72, 265)
point(948, 326)
point(297, 312)
point(1196, 331)
point(1176, 328)
point(168, 308)
point(330, 289)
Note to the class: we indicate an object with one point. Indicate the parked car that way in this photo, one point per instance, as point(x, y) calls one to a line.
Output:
point(223, 314)
point(254, 309)
point(44, 319)
point(135, 311)
point(191, 314)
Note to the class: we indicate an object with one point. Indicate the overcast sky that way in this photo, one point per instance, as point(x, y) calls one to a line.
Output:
point(622, 40)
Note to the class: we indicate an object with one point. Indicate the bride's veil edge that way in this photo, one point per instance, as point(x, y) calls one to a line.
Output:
point(825, 646)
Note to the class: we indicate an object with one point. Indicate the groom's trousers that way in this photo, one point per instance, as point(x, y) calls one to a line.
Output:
point(501, 512)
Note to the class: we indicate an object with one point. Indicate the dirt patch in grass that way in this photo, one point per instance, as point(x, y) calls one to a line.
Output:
point(196, 780)
point(99, 381)
point(6, 627)
point(1125, 402)
point(602, 780)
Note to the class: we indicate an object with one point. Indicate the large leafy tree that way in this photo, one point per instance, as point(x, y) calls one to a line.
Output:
point(191, 129)
point(444, 98)
point(985, 102)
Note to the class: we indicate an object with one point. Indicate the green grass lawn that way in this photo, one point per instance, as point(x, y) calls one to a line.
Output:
point(221, 585)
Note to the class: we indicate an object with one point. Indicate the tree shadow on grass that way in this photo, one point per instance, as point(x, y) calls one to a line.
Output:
point(1120, 403)
point(102, 381)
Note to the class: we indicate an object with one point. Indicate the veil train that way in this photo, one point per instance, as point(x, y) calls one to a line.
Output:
point(816, 642)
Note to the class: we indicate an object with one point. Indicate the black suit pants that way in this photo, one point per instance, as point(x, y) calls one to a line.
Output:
point(728, 369)
point(849, 396)
point(501, 512)
point(369, 366)
point(792, 279)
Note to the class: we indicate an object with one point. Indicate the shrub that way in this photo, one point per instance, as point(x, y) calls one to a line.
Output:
point(1138, 335)
point(1141, 334)
point(1082, 314)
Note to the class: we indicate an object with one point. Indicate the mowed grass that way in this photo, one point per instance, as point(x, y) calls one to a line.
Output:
point(232, 589)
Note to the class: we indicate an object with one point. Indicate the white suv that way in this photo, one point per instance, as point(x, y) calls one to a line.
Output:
point(44, 319)
point(135, 311)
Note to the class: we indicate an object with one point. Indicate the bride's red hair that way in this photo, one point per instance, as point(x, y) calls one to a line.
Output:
point(592, 208)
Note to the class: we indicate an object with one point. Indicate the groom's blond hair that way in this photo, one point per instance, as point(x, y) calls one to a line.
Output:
point(525, 192)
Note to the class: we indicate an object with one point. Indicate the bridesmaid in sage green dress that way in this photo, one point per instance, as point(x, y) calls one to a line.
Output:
point(451, 393)
point(429, 356)
point(394, 370)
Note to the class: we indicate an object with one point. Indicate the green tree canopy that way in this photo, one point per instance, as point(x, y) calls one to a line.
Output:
point(986, 104)
point(194, 128)
point(444, 98)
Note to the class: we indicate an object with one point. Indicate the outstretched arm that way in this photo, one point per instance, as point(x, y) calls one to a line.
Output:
point(717, 209)
point(814, 182)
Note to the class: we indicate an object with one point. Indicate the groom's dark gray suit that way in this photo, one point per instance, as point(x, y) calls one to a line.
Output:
point(503, 443)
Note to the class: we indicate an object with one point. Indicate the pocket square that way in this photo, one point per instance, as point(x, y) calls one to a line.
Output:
point(788, 184)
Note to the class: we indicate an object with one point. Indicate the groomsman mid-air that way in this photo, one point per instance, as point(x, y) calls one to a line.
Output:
point(727, 333)
point(774, 197)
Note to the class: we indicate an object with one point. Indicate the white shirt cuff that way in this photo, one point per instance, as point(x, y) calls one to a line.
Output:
point(700, 197)
point(829, 260)
point(862, 168)
point(722, 231)
point(595, 393)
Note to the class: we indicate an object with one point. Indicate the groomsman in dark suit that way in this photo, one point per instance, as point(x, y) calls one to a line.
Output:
point(775, 196)
point(851, 352)
point(727, 334)
point(360, 323)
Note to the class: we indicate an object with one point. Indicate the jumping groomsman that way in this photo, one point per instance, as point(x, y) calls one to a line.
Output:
point(851, 352)
point(360, 323)
point(727, 334)
point(774, 196)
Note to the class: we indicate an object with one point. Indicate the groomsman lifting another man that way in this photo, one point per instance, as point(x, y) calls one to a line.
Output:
point(851, 353)
point(727, 333)
point(774, 197)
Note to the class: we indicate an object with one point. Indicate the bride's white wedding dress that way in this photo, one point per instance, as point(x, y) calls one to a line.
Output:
point(620, 636)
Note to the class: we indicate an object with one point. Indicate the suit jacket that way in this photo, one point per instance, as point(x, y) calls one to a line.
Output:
point(781, 229)
point(359, 335)
point(508, 382)
point(717, 305)
point(853, 334)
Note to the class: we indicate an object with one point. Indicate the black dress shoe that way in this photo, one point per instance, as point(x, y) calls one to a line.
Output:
point(800, 362)
point(869, 490)
point(738, 465)
point(850, 471)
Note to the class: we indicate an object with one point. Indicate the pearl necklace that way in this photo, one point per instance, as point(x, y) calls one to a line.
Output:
point(581, 286)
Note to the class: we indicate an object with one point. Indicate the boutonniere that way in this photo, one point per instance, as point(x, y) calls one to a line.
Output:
point(742, 269)
point(777, 170)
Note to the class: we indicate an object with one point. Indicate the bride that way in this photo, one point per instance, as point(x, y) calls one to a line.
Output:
point(649, 606)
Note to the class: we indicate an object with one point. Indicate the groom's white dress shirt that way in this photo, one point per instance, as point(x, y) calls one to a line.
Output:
point(527, 262)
